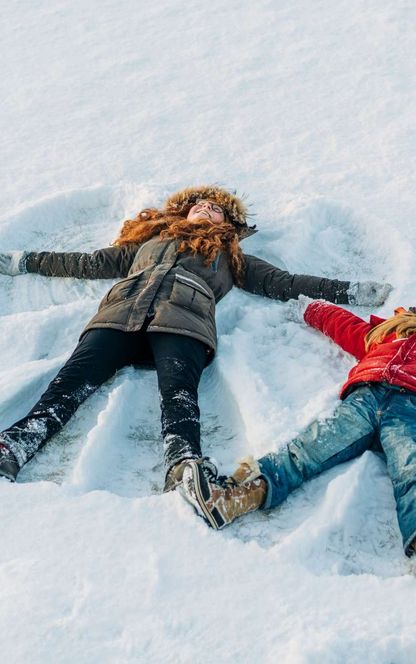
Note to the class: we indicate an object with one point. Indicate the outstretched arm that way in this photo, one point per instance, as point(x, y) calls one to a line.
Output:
point(342, 326)
point(263, 278)
point(102, 264)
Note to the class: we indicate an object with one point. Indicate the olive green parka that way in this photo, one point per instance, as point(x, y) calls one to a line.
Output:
point(171, 291)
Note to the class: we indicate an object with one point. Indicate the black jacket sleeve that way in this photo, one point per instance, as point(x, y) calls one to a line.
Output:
point(102, 264)
point(263, 278)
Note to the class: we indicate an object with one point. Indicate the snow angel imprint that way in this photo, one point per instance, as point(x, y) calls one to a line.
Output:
point(377, 412)
point(173, 264)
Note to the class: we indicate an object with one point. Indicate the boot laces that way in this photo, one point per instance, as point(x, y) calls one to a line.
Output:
point(209, 468)
point(210, 471)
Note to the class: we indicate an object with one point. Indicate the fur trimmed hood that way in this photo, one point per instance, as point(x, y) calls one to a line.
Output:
point(233, 206)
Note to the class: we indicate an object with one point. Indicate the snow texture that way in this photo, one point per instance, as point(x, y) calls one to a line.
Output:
point(107, 107)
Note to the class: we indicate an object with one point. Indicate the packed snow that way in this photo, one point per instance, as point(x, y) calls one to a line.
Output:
point(308, 109)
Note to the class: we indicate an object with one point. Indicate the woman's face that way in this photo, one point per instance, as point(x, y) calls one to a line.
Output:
point(204, 209)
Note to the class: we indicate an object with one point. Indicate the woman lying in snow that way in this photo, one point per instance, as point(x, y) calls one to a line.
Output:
point(378, 412)
point(174, 264)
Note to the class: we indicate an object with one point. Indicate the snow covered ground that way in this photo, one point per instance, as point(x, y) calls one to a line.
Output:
point(106, 107)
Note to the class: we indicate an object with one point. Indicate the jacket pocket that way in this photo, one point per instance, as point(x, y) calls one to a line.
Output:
point(123, 289)
point(190, 294)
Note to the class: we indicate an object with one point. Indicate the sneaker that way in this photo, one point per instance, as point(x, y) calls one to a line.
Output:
point(218, 502)
point(8, 464)
point(174, 475)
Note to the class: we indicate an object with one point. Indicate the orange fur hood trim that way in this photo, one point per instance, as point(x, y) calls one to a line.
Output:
point(236, 210)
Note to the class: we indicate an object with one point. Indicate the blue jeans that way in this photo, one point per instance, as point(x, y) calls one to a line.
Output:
point(375, 416)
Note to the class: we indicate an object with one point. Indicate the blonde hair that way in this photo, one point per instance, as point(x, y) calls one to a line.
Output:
point(404, 325)
point(205, 238)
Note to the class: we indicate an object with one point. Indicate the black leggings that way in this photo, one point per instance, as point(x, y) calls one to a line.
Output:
point(179, 362)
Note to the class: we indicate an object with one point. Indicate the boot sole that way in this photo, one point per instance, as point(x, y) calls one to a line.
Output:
point(10, 477)
point(9, 469)
point(213, 518)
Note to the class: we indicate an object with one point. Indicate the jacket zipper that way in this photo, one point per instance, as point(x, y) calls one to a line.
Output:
point(196, 284)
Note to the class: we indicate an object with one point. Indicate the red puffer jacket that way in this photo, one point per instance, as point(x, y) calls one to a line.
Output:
point(392, 361)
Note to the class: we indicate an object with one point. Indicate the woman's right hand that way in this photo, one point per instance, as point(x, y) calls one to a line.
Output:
point(13, 263)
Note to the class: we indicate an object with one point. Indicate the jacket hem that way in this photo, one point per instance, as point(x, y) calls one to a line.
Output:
point(112, 326)
point(351, 387)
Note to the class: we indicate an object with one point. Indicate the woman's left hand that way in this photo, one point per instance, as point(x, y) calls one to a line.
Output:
point(368, 293)
point(12, 263)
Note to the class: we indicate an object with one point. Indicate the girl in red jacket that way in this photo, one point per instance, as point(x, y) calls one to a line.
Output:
point(378, 411)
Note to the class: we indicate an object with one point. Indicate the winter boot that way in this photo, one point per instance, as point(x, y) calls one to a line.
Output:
point(411, 549)
point(174, 475)
point(8, 464)
point(219, 503)
point(247, 470)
